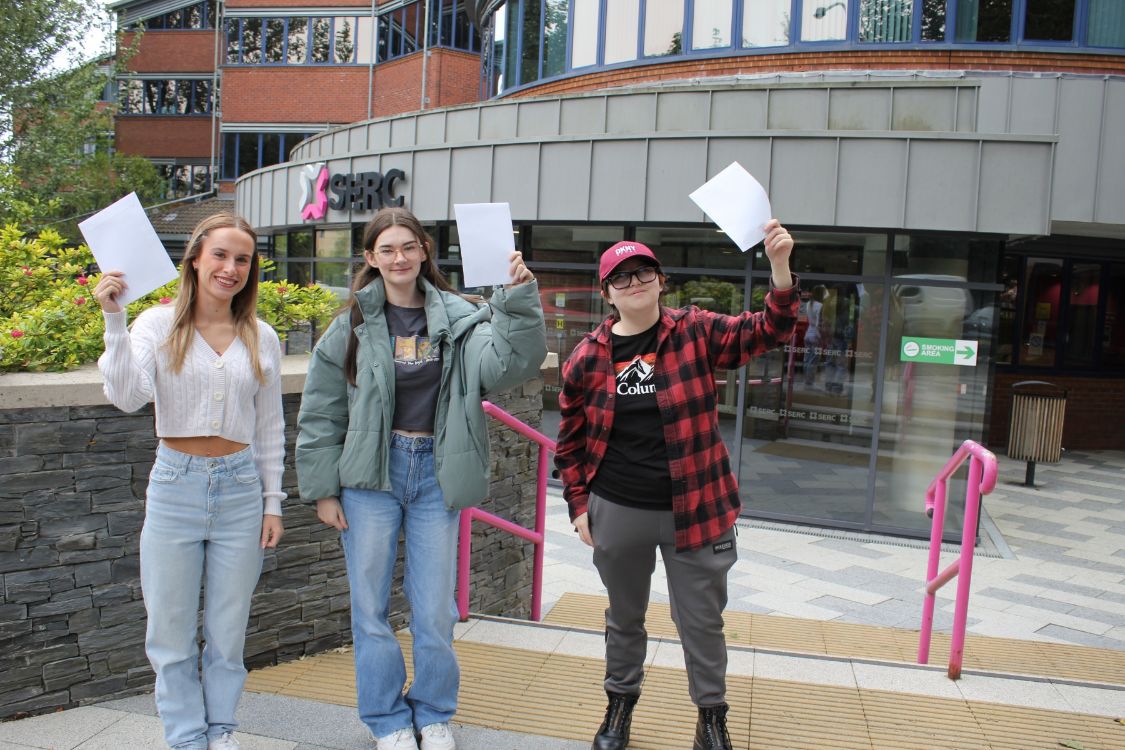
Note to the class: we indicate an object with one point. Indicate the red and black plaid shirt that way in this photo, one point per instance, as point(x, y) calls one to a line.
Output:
point(691, 344)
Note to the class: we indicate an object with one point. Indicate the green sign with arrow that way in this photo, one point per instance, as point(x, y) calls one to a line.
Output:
point(938, 351)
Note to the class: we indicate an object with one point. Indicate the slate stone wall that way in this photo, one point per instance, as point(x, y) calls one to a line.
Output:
point(72, 619)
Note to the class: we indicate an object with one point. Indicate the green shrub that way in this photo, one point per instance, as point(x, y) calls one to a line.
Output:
point(49, 319)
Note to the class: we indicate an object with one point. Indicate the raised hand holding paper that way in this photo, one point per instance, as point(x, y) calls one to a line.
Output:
point(487, 243)
point(738, 203)
point(122, 239)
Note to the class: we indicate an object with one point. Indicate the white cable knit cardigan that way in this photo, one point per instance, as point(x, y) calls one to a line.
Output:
point(211, 395)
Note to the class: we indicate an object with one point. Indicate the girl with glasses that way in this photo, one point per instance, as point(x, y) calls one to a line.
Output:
point(644, 466)
point(214, 495)
point(391, 428)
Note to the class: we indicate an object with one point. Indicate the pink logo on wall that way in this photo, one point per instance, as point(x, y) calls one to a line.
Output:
point(314, 191)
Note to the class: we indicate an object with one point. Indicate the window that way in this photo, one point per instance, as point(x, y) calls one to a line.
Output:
point(621, 19)
point(345, 40)
point(765, 23)
point(197, 16)
point(984, 20)
point(1049, 20)
point(1061, 313)
point(824, 20)
point(245, 152)
point(554, 37)
point(1106, 24)
point(584, 36)
point(165, 96)
point(298, 41)
point(275, 40)
point(183, 179)
point(933, 20)
point(711, 24)
point(885, 20)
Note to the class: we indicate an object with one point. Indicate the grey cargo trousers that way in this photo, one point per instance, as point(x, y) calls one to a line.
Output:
point(625, 543)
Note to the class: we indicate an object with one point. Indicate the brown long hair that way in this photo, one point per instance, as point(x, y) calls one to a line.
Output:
point(383, 220)
point(244, 306)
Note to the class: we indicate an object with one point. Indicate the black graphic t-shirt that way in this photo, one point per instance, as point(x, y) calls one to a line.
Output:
point(417, 369)
point(635, 471)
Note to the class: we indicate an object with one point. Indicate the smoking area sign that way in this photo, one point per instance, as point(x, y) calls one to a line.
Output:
point(939, 351)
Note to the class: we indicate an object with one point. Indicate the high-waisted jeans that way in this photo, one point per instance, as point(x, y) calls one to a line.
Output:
point(203, 523)
point(370, 547)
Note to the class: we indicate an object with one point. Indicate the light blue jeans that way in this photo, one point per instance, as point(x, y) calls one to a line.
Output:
point(203, 524)
point(370, 548)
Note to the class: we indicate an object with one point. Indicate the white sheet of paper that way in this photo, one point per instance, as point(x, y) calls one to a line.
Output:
point(122, 239)
point(487, 242)
point(738, 203)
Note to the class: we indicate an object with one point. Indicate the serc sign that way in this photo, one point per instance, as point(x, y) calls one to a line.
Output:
point(360, 192)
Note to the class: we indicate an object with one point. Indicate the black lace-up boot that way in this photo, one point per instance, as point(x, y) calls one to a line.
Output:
point(711, 729)
point(613, 734)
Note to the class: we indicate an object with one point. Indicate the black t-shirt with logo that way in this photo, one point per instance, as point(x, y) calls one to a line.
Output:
point(635, 471)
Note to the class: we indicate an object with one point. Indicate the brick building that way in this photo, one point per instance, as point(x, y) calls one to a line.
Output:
point(953, 170)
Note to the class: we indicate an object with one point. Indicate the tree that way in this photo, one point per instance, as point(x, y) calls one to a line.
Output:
point(35, 31)
point(59, 158)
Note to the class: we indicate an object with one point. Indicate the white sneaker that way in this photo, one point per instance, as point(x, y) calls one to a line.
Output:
point(403, 739)
point(437, 737)
point(226, 742)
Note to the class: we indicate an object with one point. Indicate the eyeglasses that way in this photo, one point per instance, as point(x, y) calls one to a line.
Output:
point(389, 253)
point(622, 279)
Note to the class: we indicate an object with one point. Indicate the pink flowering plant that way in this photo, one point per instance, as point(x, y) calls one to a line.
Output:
point(49, 319)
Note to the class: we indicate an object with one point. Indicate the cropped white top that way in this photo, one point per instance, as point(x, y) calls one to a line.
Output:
point(212, 395)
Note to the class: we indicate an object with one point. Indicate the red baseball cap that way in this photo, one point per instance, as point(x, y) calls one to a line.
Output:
point(621, 252)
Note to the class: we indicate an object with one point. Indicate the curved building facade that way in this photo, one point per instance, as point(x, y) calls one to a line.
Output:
point(946, 187)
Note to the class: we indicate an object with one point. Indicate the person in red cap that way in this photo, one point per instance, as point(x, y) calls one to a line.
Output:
point(644, 466)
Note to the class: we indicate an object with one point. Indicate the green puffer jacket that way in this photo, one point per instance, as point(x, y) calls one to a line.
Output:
point(345, 430)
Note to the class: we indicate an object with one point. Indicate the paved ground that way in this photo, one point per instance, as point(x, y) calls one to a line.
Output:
point(1054, 571)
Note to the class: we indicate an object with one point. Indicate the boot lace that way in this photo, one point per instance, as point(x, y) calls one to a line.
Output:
point(715, 729)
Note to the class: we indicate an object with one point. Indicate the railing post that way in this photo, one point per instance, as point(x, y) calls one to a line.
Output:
point(981, 481)
point(965, 574)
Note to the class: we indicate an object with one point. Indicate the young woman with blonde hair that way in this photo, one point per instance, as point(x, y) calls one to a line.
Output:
point(214, 494)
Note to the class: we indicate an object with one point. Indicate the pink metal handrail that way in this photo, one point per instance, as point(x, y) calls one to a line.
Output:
point(535, 536)
point(982, 480)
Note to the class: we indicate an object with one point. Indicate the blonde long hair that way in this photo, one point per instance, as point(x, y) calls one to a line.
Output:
point(244, 306)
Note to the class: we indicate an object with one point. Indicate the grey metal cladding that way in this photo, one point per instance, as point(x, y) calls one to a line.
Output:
point(403, 133)
point(683, 110)
point(941, 186)
point(631, 113)
point(798, 109)
point(803, 180)
point(1029, 110)
point(470, 177)
point(462, 125)
point(675, 168)
point(564, 181)
point(617, 180)
point(1014, 188)
point(430, 129)
point(433, 201)
point(499, 122)
point(859, 109)
point(582, 115)
point(515, 178)
point(538, 119)
point(925, 109)
point(740, 110)
point(871, 197)
point(1080, 128)
point(1109, 203)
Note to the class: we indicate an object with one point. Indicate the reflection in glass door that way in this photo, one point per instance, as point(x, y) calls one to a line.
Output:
point(808, 416)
